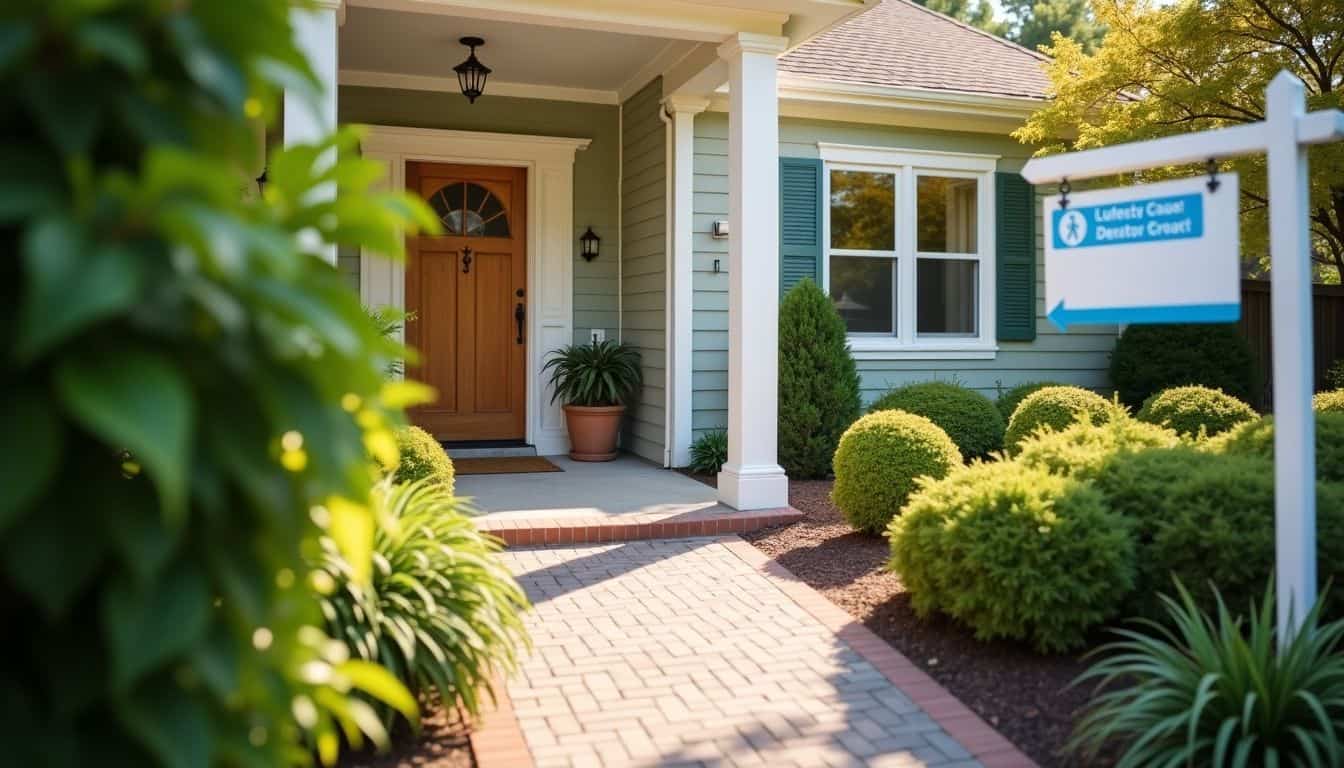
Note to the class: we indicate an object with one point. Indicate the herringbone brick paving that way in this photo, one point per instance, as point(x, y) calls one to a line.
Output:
point(677, 652)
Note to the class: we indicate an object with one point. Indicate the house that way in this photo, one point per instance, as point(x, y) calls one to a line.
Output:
point(720, 151)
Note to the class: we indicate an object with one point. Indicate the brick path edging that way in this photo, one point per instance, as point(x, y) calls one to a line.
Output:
point(978, 737)
point(496, 738)
point(597, 529)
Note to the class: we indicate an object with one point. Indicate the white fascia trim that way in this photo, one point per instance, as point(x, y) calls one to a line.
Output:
point(917, 158)
point(671, 55)
point(372, 79)
point(922, 99)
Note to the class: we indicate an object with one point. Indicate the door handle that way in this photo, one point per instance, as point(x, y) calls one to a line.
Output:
point(519, 315)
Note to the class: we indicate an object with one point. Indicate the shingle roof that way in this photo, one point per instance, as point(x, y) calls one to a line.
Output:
point(905, 45)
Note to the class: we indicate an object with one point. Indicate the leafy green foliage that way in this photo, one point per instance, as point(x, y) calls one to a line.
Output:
point(1332, 402)
point(977, 13)
point(879, 459)
point(967, 416)
point(818, 381)
point(422, 458)
point(601, 373)
point(1150, 358)
point(1334, 375)
point(1009, 399)
point(390, 321)
point(1256, 438)
point(709, 452)
point(1014, 552)
point(1217, 690)
point(1201, 66)
point(1033, 23)
point(1055, 408)
point(1195, 411)
point(190, 393)
point(1080, 450)
point(1207, 517)
point(442, 611)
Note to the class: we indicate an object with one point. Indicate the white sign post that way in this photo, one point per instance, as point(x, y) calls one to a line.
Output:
point(1283, 136)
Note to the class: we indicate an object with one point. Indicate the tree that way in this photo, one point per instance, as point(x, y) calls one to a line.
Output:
point(1032, 23)
point(1163, 70)
point(977, 13)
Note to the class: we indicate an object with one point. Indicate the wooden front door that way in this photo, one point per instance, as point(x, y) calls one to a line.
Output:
point(466, 290)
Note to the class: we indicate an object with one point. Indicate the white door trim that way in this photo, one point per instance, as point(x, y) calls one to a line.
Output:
point(550, 242)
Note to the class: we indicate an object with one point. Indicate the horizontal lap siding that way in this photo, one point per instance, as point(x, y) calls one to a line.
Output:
point(643, 282)
point(1080, 357)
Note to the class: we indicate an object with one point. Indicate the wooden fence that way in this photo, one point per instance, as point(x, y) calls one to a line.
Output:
point(1328, 314)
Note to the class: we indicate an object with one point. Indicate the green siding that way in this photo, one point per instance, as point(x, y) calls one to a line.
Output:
point(595, 170)
point(1079, 357)
point(644, 263)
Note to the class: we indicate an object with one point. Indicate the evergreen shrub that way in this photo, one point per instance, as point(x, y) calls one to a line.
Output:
point(967, 416)
point(818, 381)
point(878, 461)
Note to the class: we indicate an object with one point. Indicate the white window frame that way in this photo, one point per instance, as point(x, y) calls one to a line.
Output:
point(907, 165)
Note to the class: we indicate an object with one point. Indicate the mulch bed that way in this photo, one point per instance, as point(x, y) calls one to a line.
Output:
point(1020, 693)
point(441, 743)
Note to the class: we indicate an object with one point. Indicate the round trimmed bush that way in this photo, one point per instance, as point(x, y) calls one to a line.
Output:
point(1332, 401)
point(1150, 358)
point(1014, 552)
point(1079, 451)
point(422, 457)
point(1256, 438)
point(879, 458)
point(1056, 408)
point(1010, 398)
point(1195, 410)
point(1208, 517)
point(967, 416)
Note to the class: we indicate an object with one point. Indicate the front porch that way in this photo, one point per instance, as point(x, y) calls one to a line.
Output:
point(597, 103)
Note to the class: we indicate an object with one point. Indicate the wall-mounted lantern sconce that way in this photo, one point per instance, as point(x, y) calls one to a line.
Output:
point(589, 243)
point(720, 230)
point(471, 74)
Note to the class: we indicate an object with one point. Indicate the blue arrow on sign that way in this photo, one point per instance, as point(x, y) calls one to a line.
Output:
point(1063, 316)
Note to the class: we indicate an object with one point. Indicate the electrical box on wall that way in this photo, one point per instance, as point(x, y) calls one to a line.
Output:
point(598, 335)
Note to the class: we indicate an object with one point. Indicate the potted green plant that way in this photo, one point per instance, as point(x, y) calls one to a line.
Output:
point(594, 381)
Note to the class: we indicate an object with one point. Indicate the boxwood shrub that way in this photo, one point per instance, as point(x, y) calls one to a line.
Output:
point(1150, 358)
point(967, 416)
point(1079, 450)
point(422, 458)
point(1256, 438)
point(1328, 401)
point(818, 381)
point(1207, 517)
point(1014, 552)
point(1010, 398)
point(1195, 410)
point(879, 458)
point(1056, 408)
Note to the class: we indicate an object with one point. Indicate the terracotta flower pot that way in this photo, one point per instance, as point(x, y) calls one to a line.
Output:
point(592, 431)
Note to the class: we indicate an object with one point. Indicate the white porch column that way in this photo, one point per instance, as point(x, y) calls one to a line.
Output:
point(315, 34)
point(682, 109)
point(752, 478)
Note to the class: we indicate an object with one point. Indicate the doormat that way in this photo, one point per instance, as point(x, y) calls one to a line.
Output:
point(503, 465)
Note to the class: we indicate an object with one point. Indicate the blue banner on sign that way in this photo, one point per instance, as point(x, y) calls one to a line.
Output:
point(1145, 220)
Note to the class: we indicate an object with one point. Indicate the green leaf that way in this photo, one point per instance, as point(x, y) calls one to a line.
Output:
point(381, 685)
point(148, 624)
point(30, 449)
point(170, 724)
point(71, 283)
point(141, 402)
point(53, 581)
point(116, 41)
point(16, 38)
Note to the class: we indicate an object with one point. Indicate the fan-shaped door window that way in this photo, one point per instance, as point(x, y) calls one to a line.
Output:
point(467, 208)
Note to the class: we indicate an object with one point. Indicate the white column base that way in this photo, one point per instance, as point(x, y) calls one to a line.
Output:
point(754, 487)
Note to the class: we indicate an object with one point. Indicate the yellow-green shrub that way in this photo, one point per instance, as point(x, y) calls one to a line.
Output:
point(1014, 552)
point(1256, 438)
point(1332, 401)
point(1080, 450)
point(1055, 408)
point(967, 416)
point(422, 457)
point(1195, 410)
point(879, 457)
point(1009, 399)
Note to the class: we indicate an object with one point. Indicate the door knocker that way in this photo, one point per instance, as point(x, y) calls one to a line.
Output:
point(466, 260)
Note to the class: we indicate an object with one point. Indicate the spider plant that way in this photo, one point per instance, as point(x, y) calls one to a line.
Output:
point(603, 373)
point(709, 452)
point(1218, 692)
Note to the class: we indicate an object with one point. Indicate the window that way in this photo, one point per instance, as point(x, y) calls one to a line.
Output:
point(469, 209)
point(908, 252)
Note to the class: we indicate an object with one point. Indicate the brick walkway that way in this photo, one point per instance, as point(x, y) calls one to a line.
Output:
point(696, 652)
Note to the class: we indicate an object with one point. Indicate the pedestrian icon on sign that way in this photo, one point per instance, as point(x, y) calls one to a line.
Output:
point(1072, 228)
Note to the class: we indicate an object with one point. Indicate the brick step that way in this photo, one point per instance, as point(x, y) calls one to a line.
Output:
point(591, 529)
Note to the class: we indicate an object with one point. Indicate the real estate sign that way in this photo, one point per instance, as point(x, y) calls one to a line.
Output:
point(1152, 253)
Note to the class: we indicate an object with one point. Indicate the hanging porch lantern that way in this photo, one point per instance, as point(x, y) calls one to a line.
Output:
point(589, 243)
point(471, 73)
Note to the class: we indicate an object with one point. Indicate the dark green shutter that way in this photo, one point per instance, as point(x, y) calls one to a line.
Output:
point(1015, 244)
point(799, 221)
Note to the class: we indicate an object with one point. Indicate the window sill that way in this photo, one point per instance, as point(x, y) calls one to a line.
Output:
point(874, 349)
